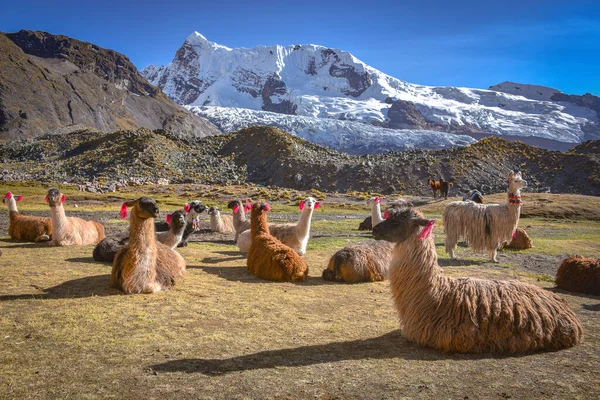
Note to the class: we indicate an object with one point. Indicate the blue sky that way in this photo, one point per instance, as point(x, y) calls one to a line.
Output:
point(458, 43)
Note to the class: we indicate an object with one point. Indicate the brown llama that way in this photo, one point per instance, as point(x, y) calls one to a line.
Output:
point(485, 227)
point(435, 186)
point(69, 231)
point(467, 315)
point(26, 227)
point(360, 262)
point(520, 241)
point(145, 265)
point(579, 274)
point(268, 258)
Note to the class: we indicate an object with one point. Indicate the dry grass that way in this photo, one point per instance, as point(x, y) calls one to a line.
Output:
point(225, 334)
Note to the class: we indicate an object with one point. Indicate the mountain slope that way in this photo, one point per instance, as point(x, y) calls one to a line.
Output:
point(319, 82)
point(52, 82)
point(267, 156)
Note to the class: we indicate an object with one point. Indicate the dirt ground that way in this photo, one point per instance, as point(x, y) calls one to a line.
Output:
point(224, 334)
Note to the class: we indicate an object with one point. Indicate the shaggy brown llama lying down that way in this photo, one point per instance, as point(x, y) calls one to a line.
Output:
point(360, 262)
point(579, 274)
point(268, 258)
point(68, 231)
point(145, 265)
point(26, 227)
point(520, 241)
point(467, 315)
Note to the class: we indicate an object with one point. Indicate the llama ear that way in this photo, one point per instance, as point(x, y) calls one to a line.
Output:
point(267, 207)
point(123, 212)
point(47, 199)
point(519, 174)
point(63, 198)
point(19, 197)
point(301, 205)
point(427, 227)
point(169, 216)
point(317, 204)
point(8, 194)
point(236, 209)
point(187, 207)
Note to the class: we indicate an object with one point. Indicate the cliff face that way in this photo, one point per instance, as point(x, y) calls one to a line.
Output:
point(52, 83)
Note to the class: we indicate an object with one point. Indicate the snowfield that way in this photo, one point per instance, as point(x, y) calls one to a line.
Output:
point(336, 98)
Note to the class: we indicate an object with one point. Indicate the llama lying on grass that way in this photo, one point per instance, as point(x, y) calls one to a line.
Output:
point(108, 247)
point(579, 274)
point(26, 227)
point(68, 231)
point(192, 221)
point(295, 236)
point(240, 222)
point(520, 241)
point(268, 258)
point(485, 227)
point(218, 222)
point(145, 265)
point(360, 262)
point(467, 315)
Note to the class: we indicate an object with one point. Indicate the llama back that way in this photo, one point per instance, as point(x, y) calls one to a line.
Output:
point(28, 227)
point(270, 259)
point(170, 266)
point(361, 262)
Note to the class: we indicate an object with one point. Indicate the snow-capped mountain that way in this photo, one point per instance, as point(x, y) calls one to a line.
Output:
point(322, 84)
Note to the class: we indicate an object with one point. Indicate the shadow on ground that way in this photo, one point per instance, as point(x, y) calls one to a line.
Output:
point(89, 286)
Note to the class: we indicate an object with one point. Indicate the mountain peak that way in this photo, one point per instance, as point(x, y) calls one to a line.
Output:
point(198, 39)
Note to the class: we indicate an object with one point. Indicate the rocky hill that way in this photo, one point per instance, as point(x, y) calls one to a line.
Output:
point(267, 156)
point(56, 83)
point(299, 87)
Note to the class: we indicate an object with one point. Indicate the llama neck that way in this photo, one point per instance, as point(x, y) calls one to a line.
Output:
point(215, 221)
point(376, 217)
point(303, 225)
point(141, 231)
point(513, 203)
point(12, 205)
point(415, 264)
point(259, 224)
point(242, 214)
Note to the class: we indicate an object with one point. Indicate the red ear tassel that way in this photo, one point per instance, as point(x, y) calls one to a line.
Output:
point(317, 204)
point(8, 194)
point(302, 205)
point(63, 198)
point(386, 214)
point(236, 209)
point(123, 212)
point(19, 197)
point(168, 219)
point(47, 199)
point(426, 231)
point(187, 207)
point(514, 234)
point(267, 207)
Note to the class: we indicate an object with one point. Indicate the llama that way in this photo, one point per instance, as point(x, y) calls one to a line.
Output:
point(579, 274)
point(26, 227)
point(435, 186)
point(360, 262)
point(68, 231)
point(440, 185)
point(177, 224)
point(268, 258)
point(295, 236)
point(520, 241)
point(192, 221)
point(473, 195)
point(467, 315)
point(484, 226)
point(110, 246)
point(145, 265)
point(376, 217)
point(218, 222)
point(240, 222)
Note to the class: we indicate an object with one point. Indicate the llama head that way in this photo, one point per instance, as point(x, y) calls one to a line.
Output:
point(375, 200)
point(260, 207)
point(309, 202)
point(195, 207)
point(430, 181)
point(516, 181)
point(9, 196)
point(214, 210)
point(55, 197)
point(402, 223)
point(236, 206)
point(143, 208)
point(176, 220)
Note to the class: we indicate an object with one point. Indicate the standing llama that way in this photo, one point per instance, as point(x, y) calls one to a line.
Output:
point(145, 265)
point(467, 315)
point(292, 235)
point(26, 227)
point(68, 231)
point(268, 258)
point(484, 226)
point(240, 222)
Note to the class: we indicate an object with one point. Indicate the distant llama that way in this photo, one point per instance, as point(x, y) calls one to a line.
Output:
point(485, 227)
point(240, 222)
point(360, 262)
point(440, 185)
point(579, 274)
point(26, 227)
point(467, 315)
point(145, 265)
point(194, 210)
point(268, 258)
point(68, 231)
point(220, 223)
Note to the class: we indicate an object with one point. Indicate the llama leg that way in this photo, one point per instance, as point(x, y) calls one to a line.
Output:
point(42, 238)
point(53, 243)
point(451, 246)
point(152, 287)
point(494, 255)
